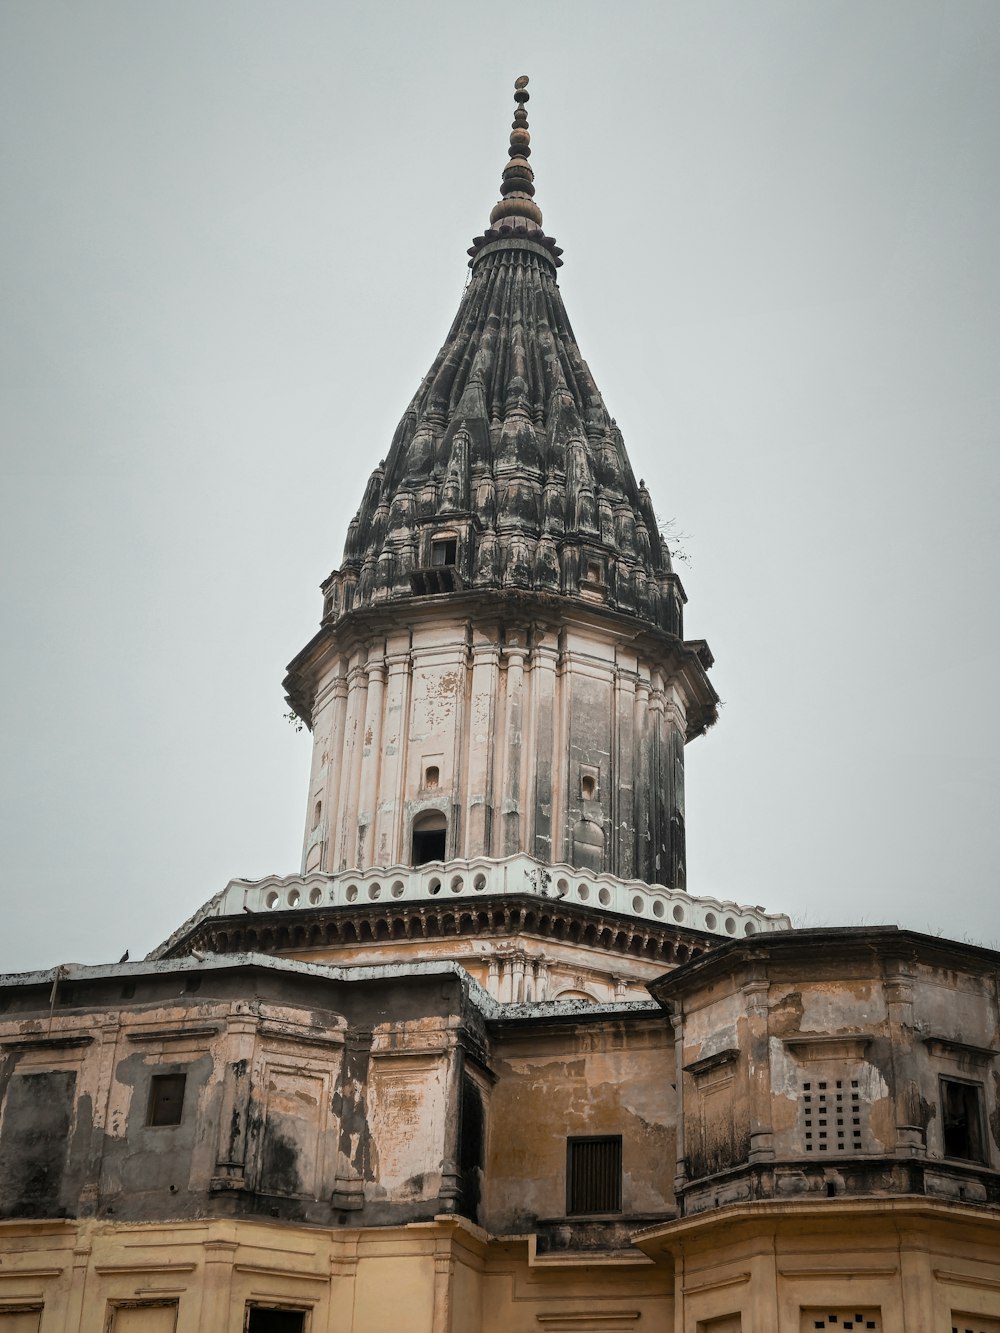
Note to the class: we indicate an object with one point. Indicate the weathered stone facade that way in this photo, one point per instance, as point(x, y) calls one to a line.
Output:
point(805, 1119)
point(512, 722)
point(485, 1065)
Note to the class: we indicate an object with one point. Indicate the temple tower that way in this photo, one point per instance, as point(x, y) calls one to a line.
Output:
point(501, 666)
point(500, 691)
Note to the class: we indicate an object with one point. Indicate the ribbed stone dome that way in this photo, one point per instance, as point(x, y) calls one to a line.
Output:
point(507, 469)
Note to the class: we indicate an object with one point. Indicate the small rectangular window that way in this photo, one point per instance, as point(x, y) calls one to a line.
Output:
point(849, 1317)
point(973, 1323)
point(166, 1099)
point(142, 1317)
point(962, 1120)
point(444, 552)
point(270, 1319)
point(594, 1175)
point(20, 1319)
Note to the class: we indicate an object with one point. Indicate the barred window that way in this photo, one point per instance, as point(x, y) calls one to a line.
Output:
point(594, 1175)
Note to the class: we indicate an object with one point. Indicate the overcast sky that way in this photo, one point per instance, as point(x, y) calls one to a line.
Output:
point(232, 239)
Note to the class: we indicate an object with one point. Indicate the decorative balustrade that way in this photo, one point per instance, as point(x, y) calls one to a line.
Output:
point(484, 877)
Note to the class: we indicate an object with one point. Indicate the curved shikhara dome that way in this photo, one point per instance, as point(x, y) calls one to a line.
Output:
point(506, 470)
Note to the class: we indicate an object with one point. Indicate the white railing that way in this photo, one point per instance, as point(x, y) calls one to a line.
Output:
point(484, 878)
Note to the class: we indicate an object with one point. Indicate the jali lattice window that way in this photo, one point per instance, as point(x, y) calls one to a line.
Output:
point(831, 1115)
point(849, 1317)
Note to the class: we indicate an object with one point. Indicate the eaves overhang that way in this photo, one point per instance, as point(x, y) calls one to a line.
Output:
point(851, 945)
point(459, 888)
point(349, 925)
point(47, 982)
point(181, 965)
point(764, 1216)
point(689, 659)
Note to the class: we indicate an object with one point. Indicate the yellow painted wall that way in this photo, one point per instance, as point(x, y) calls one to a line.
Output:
point(908, 1265)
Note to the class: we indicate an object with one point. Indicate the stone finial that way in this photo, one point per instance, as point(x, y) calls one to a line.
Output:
point(517, 217)
point(517, 186)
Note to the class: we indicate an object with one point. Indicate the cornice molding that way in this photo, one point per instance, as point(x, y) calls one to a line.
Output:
point(350, 925)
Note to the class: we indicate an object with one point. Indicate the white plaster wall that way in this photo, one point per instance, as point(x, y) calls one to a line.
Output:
point(511, 720)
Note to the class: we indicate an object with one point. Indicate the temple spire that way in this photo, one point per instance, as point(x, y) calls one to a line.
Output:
point(507, 466)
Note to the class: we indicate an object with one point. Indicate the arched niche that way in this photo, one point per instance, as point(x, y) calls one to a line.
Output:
point(429, 838)
point(588, 845)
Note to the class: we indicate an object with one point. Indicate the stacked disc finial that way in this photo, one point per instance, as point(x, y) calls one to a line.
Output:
point(518, 184)
point(517, 218)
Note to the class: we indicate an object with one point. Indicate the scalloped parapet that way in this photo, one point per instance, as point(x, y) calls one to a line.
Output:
point(483, 877)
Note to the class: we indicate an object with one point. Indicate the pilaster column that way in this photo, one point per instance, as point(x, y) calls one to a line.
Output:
point(562, 797)
point(659, 779)
point(530, 991)
point(493, 977)
point(761, 1132)
point(511, 808)
point(444, 1280)
point(643, 779)
point(234, 1108)
point(506, 980)
point(76, 1297)
point(218, 1254)
point(675, 729)
point(357, 690)
point(354, 1146)
point(542, 984)
point(343, 1279)
point(623, 777)
point(451, 1175)
point(482, 757)
point(680, 1172)
point(387, 844)
point(371, 752)
point(517, 983)
point(543, 699)
point(917, 1283)
point(334, 769)
point(911, 1137)
point(90, 1185)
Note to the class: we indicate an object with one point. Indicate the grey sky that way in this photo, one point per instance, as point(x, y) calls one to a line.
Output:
point(233, 237)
